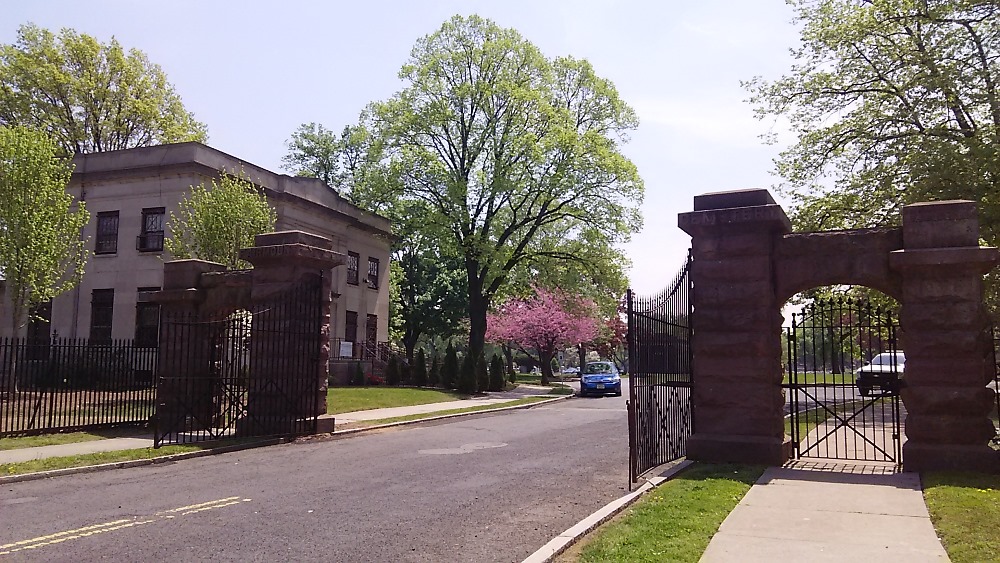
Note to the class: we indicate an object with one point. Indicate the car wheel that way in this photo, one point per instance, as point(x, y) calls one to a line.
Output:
point(618, 393)
point(865, 391)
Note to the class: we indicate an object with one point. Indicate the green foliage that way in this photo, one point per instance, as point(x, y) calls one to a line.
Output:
point(512, 376)
point(41, 252)
point(420, 369)
point(340, 162)
point(482, 374)
point(505, 148)
point(358, 377)
point(434, 375)
point(392, 372)
point(216, 221)
point(496, 374)
point(468, 381)
point(449, 371)
point(91, 97)
point(893, 102)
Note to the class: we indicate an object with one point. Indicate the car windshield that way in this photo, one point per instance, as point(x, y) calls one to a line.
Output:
point(886, 359)
point(599, 367)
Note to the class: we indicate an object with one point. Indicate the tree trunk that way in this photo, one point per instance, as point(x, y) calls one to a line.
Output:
point(410, 338)
point(509, 355)
point(582, 349)
point(546, 361)
point(478, 306)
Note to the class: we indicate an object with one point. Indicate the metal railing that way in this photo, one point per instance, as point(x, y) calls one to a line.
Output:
point(70, 383)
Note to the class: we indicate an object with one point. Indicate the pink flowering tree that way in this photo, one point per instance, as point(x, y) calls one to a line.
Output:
point(540, 326)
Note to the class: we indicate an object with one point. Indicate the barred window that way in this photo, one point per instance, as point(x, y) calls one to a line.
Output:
point(107, 233)
point(351, 326)
point(151, 235)
point(353, 259)
point(373, 272)
point(102, 313)
point(147, 321)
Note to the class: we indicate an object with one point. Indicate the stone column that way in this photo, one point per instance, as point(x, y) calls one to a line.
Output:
point(945, 336)
point(281, 261)
point(737, 399)
point(184, 383)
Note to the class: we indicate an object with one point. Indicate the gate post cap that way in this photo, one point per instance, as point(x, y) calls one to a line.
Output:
point(733, 198)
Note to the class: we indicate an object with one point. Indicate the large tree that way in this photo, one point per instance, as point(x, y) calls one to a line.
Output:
point(893, 102)
point(503, 145)
point(219, 219)
point(90, 96)
point(41, 251)
point(541, 325)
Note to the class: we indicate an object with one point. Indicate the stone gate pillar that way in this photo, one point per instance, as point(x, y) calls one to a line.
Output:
point(737, 399)
point(280, 261)
point(945, 336)
point(185, 385)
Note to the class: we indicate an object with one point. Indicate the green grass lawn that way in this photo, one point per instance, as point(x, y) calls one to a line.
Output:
point(19, 442)
point(965, 510)
point(810, 378)
point(350, 399)
point(366, 423)
point(675, 521)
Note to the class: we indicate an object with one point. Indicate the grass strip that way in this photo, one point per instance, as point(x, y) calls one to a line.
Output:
point(965, 511)
point(48, 464)
point(675, 521)
point(19, 442)
point(351, 399)
point(367, 423)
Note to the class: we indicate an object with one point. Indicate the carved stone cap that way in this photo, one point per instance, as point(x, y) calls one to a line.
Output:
point(977, 258)
point(733, 198)
point(292, 255)
point(292, 237)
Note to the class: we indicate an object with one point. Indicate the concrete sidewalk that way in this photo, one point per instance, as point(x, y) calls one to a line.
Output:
point(857, 513)
point(142, 440)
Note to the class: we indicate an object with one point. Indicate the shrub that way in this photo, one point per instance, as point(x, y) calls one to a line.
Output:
point(392, 372)
point(496, 374)
point(358, 378)
point(512, 376)
point(434, 375)
point(420, 369)
point(449, 372)
point(482, 374)
point(467, 382)
point(372, 379)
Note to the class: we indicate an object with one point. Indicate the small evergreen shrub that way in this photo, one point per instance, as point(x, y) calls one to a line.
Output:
point(434, 375)
point(420, 369)
point(496, 374)
point(392, 372)
point(449, 372)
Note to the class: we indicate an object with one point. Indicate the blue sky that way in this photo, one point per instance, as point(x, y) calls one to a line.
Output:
point(253, 71)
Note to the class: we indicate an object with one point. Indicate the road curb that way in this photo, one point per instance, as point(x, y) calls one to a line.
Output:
point(10, 479)
point(563, 541)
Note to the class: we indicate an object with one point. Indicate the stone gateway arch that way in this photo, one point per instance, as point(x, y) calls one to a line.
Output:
point(747, 263)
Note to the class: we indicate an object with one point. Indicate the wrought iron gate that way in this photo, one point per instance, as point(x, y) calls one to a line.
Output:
point(660, 412)
point(253, 373)
point(842, 383)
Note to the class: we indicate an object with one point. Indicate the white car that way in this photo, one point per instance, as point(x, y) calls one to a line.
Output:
point(884, 371)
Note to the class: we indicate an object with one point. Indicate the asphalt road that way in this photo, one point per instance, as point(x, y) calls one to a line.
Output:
point(487, 488)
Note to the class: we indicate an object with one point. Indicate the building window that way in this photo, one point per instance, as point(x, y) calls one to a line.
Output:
point(102, 312)
point(351, 326)
point(371, 329)
point(373, 272)
point(353, 259)
point(150, 238)
point(147, 321)
point(107, 233)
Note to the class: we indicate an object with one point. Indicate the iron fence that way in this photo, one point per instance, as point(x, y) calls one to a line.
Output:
point(660, 411)
point(70, 383)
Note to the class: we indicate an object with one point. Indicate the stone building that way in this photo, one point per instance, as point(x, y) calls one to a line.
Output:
point(131, 193)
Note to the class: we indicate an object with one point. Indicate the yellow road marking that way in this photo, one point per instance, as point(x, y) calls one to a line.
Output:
point(86, 531)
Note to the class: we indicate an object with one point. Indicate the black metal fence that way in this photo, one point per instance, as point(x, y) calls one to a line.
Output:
point(842, 383)
point(660, 410)
point(253, 373)
point(65, 384)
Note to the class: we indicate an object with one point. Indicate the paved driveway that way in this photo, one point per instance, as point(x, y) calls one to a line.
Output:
point(490, 488)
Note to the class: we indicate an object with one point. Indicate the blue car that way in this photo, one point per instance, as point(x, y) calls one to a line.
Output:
point(599, 378)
